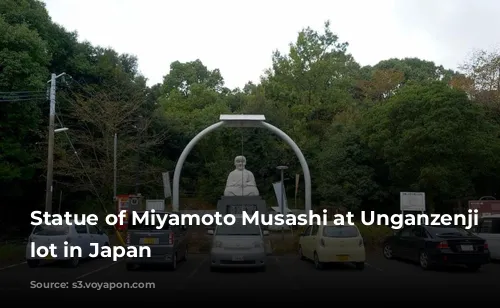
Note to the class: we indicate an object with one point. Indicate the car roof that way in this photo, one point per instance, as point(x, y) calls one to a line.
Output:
point(433, 226)
point(491, 216)
point(332, 223)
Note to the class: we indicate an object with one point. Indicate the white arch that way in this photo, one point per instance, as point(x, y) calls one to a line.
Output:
point(211, 128)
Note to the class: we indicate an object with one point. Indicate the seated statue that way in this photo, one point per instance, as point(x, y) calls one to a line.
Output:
point(241, 182)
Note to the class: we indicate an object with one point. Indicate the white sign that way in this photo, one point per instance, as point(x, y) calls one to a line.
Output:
point(277, 190)
point(157, 205)
point(167, 191)
point(412, 201)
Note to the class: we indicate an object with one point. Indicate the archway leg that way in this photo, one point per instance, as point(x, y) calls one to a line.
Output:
point(302, 160)
point(182, 159)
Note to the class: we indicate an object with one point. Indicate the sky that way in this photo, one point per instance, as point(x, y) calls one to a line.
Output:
point(238, 37)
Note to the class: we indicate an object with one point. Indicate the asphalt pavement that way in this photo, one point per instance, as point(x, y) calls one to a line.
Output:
point(284, 275)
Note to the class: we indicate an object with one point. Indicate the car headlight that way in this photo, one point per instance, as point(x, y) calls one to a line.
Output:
point(218, 244)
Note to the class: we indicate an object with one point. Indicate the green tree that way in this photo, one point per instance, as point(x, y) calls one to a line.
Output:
point(433, 139)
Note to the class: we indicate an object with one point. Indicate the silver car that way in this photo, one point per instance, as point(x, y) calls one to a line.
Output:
point(238, 245)
point(168, 245)
point(80, 236)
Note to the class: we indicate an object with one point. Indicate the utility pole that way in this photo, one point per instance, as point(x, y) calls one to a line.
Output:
point(50, 155)
point(140, 128)
point(115, 171)
point(282, 205)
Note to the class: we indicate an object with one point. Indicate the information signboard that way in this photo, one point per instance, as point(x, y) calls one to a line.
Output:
point(412, 201)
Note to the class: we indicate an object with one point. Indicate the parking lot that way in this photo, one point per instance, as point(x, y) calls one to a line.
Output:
point(284, 273)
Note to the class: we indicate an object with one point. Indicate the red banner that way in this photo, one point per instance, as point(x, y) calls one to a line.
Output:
point(122, 204)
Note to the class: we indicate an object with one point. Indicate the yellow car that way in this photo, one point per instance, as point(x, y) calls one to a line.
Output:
point(332, 244)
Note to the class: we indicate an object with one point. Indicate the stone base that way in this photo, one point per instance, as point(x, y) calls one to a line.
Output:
point(237, 204)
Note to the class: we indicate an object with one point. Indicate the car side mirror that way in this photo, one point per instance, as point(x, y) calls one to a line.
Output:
point(265, 233)
point(210, 232)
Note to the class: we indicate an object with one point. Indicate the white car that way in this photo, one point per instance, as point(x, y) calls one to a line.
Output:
point(238, 245)
point(489, 229)
point(332, 244)
point(81, 236)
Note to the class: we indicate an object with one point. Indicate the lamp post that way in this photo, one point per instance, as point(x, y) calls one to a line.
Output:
point(282, 205)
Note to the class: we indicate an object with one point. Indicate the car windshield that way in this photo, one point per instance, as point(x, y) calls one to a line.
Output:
point(51, 230)
point(448, 231)
point(340, 231)
point(148, 227)
point(238, 229)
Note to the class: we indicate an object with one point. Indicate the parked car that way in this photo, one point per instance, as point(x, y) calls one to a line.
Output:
point(489, 229)
point(168, 245)
point(75, 235)
point(438, 245)
point(332, 243)
point(238, 245)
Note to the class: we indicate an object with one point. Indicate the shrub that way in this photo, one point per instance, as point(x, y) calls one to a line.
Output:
point(12, 253)
point(373, 235)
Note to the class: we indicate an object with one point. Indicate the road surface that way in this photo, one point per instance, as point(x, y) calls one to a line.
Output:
point(286, 277)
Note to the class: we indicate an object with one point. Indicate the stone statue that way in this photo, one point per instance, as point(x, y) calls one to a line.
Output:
point(241, 182)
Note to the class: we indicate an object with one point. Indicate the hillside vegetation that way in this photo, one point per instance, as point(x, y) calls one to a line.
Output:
point(368, 132)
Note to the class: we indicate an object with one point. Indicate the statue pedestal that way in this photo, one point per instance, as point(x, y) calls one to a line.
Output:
point(237, 204)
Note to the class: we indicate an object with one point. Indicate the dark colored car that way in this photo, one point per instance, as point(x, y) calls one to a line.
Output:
point(168, 245)
point(437, 246)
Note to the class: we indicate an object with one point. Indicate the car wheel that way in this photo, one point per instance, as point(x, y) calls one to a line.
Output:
point(318, 265)
point(388, 251)
point(33, 263)
point(473, 267)
point(424, 260)
point(106, 244)
point(173, 266)
point(130, 266)
point(360, 265)
point(301, 255)
point(74, 262)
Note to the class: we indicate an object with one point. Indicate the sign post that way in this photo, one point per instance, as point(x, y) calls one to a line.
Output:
point(297, 178)
point(167, 191)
